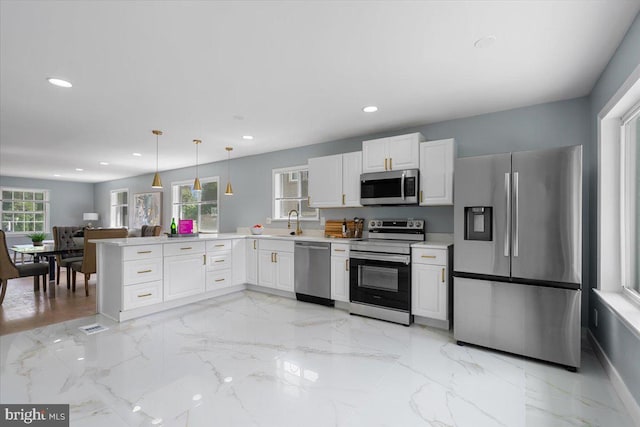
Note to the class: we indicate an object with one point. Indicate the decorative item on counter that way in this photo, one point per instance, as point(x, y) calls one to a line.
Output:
point(174, 229)
point(185, 226)
point(358, 225)
point(345, 230)
point(333, 227)
point(257, 229)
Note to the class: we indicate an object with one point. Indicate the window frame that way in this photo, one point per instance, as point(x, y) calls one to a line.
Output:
point(629, 136)
point(111, 206)
point(189, 182)
point(289, 170)
point(47, 208)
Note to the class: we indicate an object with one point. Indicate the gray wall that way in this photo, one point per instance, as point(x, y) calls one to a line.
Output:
point(620, 345)
point(69, 200)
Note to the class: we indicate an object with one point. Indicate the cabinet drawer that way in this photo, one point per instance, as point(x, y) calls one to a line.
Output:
point(219, 262)
point(184, 248)
point(130, 253)
point(217, 280)
point(142, 271)
point(218, 245)
point(340, 249)
point(276, 245)
point(429, 256)
point(141, 295)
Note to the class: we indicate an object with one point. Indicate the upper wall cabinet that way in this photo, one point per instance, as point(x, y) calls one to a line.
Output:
point(334, 181)
point(392, 153)
point(436, 172)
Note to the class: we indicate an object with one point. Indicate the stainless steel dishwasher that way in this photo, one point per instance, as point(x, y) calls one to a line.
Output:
point(313, 272)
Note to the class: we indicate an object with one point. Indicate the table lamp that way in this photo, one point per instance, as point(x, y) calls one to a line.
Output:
point(90, 216)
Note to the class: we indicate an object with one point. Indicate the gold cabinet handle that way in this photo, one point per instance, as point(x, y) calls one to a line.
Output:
point(219, 260)
point(343, 199)
point(308, 200)
point(272, 254)
point(219, 280)
point(275, 257)
point(390, 165)
point(145, 295)
point(220, 245)
point(420, 196)
point(339, 250)
point(204, 259)
point(254, 244)
point(385, 163)
point(144, 271)
point(186, 249)
point(428, 256)
point(346, 264)
point(144, 252)
point(443, 275)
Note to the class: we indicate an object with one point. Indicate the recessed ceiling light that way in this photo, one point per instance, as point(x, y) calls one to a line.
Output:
point(137, 154)
point(484, 42)
point(370, 109)
point(79, 169)
point(59, 82)
point(196, 397)
point(104, 163)
point(56, 174)
point(249, 137)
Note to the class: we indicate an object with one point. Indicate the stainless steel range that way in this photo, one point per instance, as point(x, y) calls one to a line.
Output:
point(380, 273)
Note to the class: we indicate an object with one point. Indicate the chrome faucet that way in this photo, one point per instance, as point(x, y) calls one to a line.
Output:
point(298, 229)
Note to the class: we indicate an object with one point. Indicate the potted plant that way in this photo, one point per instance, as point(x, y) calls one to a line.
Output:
point(37, 238)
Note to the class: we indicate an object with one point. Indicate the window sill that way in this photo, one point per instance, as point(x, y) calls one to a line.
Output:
point(623, 307)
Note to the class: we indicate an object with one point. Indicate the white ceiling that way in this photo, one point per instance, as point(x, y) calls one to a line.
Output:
point(290, 73)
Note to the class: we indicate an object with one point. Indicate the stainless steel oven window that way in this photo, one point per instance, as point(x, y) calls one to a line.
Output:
point(383, 278)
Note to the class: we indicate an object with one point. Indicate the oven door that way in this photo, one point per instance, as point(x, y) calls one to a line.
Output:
point(380, 279)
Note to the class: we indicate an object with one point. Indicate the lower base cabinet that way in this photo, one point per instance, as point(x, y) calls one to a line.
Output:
point(340, 272)
point(183, 276)
point(430, 284)
point(275, 264)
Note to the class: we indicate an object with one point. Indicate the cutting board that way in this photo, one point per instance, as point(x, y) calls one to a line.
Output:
point(333, 228)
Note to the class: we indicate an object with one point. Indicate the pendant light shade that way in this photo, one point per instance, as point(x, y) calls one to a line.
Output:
point(157, 183)
point(229, 190)
point(196, 183)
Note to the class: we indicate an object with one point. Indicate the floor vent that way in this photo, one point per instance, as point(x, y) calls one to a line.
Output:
point(93, 329)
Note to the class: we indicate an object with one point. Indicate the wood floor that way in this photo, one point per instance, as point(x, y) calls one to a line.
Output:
point(24, 309)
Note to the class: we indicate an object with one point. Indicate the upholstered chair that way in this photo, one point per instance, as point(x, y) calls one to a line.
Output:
point(150, 230)
point(88, 264)
point(63, 239)
point(8, 270)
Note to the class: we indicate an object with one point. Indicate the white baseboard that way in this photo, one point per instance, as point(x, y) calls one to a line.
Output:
point(618, 384)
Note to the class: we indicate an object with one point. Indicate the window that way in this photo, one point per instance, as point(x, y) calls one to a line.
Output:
point(119, 208)
point(202, 208)
point(25, 210)
point(291, 191)
point(630, 139)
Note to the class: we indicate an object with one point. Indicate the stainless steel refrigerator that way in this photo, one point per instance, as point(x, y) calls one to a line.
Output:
point(518, 253)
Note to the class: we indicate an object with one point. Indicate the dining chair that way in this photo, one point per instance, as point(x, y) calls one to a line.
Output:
point(8, 270)
point(88, 264)
point(150, 230)
point(63, 239)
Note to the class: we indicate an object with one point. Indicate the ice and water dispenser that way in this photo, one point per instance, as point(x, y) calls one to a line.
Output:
point(477, 223)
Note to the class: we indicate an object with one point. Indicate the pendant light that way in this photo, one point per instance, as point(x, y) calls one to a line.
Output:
point(157, 183)
point(229, 190)
point(196, 183)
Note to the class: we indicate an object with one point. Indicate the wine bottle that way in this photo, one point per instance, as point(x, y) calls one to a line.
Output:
point(174, 229)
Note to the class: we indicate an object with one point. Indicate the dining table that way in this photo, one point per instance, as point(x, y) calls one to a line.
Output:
point(48, 252)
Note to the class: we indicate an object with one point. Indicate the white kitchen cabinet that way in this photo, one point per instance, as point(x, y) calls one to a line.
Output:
point(334, 181)
point(184, 269)
point(436, 172)
point(252, 261)
point(340, 272)
point(239, 263)
point(275, 264)
point(430, 284)
point(392, 153)
point(219, 262)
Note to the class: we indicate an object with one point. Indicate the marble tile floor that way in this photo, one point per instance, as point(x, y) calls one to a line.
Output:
point(251, 359)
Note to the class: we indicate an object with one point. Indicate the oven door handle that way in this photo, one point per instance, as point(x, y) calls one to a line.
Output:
point(404, 259)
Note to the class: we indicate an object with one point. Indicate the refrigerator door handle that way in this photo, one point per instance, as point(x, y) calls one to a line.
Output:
point(507, 234)
point(402, 186)
point(516, 213)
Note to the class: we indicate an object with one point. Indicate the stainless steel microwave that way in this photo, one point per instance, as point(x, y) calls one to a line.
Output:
point(389, 188)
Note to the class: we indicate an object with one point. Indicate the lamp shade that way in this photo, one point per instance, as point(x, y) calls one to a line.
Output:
point(90, 216)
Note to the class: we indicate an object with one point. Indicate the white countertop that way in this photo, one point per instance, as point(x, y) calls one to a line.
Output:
point(135, 241)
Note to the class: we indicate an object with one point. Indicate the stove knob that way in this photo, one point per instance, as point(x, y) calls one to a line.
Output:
point(410, 223)
point(372, 224)
point(379, 223)
point(418, 224)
